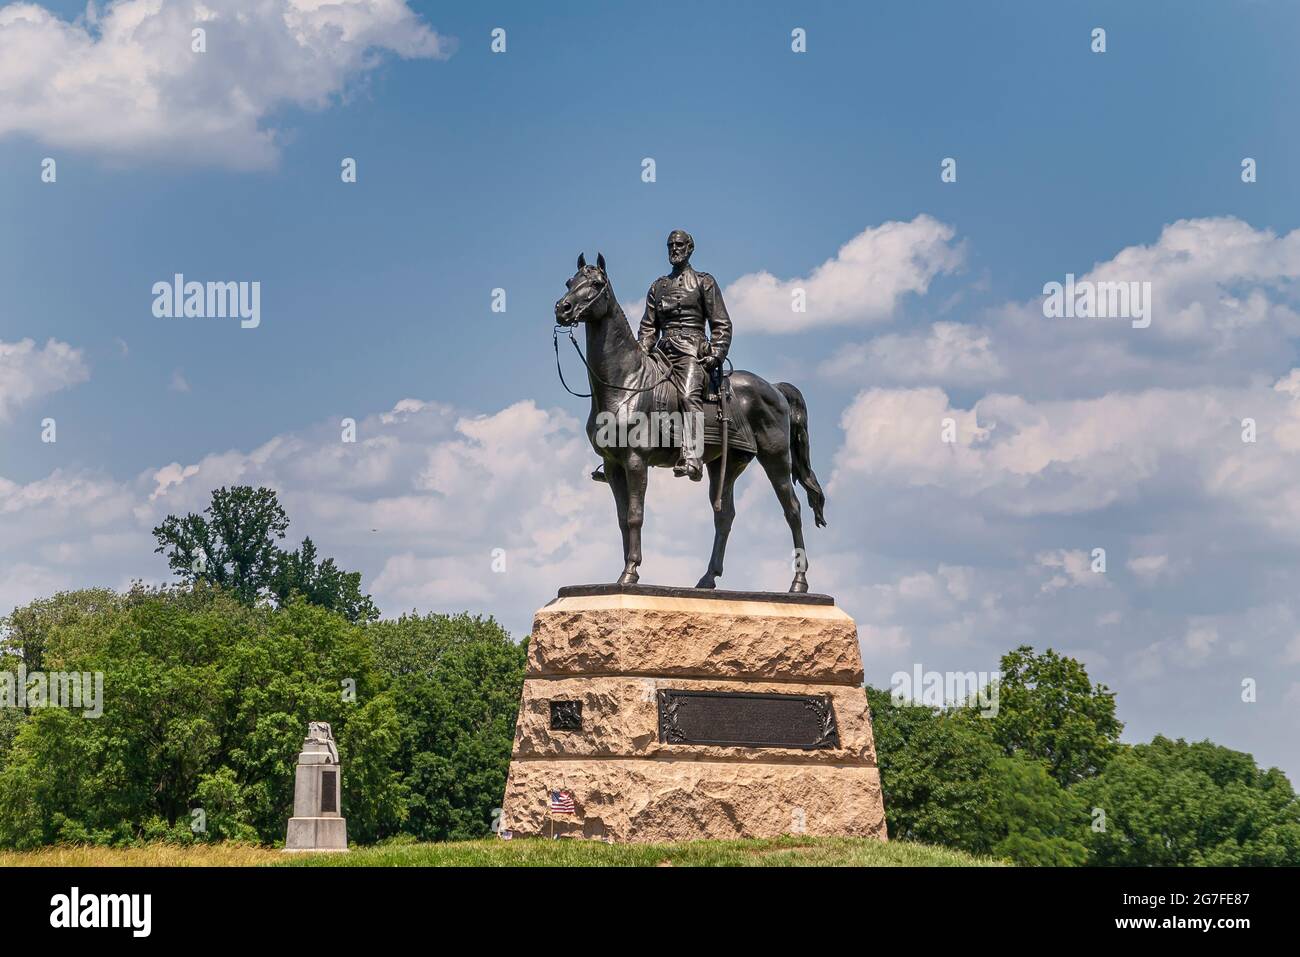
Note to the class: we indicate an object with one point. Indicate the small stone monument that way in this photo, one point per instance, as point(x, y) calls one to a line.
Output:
point(316, 824)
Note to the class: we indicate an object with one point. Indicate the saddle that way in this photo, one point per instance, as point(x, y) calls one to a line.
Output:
point(665, 401)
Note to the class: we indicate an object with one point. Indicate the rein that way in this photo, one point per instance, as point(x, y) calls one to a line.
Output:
point(555, 343)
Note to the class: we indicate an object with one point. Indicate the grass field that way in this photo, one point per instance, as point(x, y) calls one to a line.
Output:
point(777, 852)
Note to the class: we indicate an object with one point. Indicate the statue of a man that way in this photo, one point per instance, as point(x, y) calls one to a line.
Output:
point(678, 308)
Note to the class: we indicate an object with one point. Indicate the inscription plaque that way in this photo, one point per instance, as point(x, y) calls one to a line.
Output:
point(747, 720)
point(566, 715)
point(328, 791)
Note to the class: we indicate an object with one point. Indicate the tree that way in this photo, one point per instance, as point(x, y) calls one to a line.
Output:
point(936, 771)
point(456, 684)
point(234, 547)
point(946, 781)
point(206, 704)
point(1035, 820)
point(1048, 710)
point(32, 632)
point(1170, 803)
point(323, 584)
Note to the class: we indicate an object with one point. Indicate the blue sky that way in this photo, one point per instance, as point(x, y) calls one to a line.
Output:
point(481, 170)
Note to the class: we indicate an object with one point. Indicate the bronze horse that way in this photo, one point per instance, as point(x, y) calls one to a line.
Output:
point(623, 376)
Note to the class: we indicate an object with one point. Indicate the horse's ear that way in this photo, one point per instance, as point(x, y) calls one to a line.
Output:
point(600, 261)
point(582, 260)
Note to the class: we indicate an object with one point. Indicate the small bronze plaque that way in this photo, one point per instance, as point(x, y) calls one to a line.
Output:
point(746, 720)
point(566, 715)
point(329, 791)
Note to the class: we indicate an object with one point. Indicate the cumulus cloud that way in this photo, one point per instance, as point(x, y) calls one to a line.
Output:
point(950, 353)
point(438, 507)
point(124, 81)
point(1225, 307)
point(1070, 568)
point(862, 284)
point(28, 371)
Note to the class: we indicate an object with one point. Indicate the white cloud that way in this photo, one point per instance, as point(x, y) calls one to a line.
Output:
point(861, 284)
point(1070, 568)
point(951, 353)
point(1225, 307)
point(123, 82)
point(1149, 567)
point(28, 371)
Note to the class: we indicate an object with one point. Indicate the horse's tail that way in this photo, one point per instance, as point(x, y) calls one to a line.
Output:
point(800, 454)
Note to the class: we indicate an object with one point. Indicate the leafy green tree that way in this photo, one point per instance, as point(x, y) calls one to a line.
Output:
point(1048, 710)
point(1170, 803)
point(946, 781)
point(233, 546)
point(1035, 820)
point(936, 771)
point(206, 701)
point(456, 684)
point(320, 583)
point(28, 632)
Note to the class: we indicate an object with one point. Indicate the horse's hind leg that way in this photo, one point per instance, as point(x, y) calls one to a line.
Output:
point(778, 468)
point(722, 519)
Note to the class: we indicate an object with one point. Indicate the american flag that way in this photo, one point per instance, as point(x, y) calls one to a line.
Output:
point(562, 801)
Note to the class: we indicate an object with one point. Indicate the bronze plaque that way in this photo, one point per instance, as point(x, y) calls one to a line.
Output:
point(566, 715)
point(746, 720)
point(329, 791)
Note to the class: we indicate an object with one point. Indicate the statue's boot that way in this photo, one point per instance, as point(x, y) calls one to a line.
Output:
point(693, 422)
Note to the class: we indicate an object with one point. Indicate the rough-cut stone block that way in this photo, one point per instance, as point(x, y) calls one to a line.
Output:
point(590, 720)
point(595, 635)
point(620, 716)
point(652, 801)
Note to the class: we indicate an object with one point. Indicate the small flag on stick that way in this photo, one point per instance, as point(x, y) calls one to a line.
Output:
point(562, 801)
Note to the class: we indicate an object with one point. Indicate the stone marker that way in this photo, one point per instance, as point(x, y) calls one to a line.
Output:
point(685, 714)
point(316, 824)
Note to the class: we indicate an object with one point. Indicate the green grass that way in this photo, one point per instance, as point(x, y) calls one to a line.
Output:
point(522, 852)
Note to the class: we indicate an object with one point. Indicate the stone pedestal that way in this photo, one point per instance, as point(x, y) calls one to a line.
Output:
point(317, 824)
point(681, 714)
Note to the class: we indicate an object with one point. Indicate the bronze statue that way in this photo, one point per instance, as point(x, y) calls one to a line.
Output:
point(677, 309)
point(631, 385)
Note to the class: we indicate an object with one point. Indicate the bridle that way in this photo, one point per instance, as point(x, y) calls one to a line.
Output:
point(569, 327)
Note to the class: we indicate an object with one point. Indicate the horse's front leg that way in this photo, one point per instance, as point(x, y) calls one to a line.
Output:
point(635, 476)
point(617, 479)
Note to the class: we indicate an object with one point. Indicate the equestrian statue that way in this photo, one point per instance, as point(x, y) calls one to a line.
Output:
point(668, 383)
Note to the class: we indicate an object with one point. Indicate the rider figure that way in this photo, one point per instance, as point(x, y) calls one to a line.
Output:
point(677, 309)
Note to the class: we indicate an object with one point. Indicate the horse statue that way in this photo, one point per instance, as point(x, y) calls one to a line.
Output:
point(768, 422)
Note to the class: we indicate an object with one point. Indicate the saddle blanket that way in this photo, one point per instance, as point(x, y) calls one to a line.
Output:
point(740, 438)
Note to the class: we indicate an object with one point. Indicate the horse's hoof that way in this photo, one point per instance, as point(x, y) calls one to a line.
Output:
point(631, 578)
point(706, 582)
point(799, 586)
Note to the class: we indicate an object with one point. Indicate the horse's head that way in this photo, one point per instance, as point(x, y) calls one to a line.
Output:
point(589, 298)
